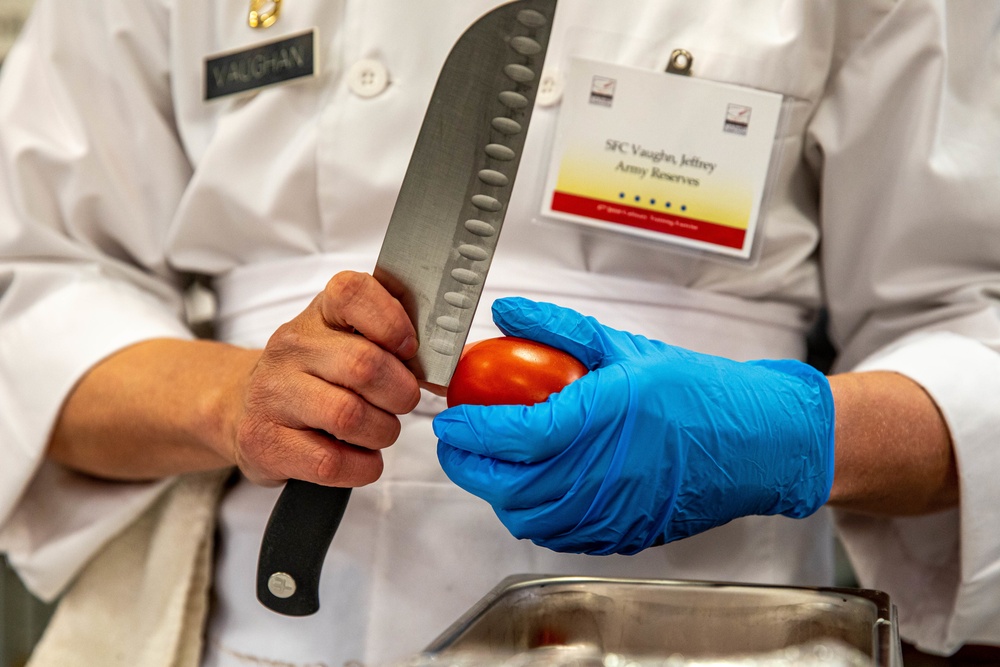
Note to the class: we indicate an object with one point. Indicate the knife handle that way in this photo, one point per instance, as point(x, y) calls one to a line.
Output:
point(296, 540)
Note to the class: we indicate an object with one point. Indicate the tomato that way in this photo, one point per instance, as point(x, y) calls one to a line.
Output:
point(547, 636)
point(511, 371)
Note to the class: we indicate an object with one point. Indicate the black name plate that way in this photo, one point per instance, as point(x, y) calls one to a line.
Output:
point(262, 65)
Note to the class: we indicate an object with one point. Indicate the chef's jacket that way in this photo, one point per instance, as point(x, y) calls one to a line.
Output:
point(119, 182)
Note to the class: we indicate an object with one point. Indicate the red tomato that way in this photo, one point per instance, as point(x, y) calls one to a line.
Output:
point(546, 636)
point(511, 371)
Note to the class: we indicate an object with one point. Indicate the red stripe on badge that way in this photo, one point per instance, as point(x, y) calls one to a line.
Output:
point(643, 218)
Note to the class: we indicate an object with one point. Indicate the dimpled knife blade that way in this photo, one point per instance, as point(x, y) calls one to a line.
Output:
point(451, 207)
point(436, 252)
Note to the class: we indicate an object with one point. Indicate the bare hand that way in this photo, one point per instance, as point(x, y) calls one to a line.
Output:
point(319, 385)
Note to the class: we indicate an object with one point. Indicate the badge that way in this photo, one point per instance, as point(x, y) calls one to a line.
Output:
point(262, 65)
point(671, 158)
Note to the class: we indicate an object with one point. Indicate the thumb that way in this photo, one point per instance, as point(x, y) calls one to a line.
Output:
point(562, 328)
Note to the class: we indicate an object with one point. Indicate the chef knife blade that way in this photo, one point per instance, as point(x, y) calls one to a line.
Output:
point(435, 254)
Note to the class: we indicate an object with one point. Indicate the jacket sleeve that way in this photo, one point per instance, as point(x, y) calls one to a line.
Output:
point(91, 170)
point(905, 146)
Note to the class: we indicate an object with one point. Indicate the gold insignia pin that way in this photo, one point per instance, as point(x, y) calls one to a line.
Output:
point(263, 13)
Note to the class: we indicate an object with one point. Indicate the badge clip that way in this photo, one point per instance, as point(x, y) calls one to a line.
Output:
point(680, 62)
point(263, 13)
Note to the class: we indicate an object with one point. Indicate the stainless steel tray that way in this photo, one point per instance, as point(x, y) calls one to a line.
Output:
point(678, 622)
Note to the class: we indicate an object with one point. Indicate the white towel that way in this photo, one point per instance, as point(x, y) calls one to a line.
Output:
point(143, 600)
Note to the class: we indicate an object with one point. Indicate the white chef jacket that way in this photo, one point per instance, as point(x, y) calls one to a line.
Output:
point(118, 180)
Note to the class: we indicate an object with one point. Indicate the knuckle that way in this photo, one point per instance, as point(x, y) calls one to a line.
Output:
point(365, 365)
point(345, 287)
point(347, 415)
point(346, 464)
point(330, 465)
point(285, 340)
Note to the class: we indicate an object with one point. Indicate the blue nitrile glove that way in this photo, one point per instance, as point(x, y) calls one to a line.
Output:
point(656, 443)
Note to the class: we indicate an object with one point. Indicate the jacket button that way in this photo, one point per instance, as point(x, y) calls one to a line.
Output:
point(550, 88)
point(367, 78)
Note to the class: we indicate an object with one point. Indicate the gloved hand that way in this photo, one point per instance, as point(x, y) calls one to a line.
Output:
point(655, 444)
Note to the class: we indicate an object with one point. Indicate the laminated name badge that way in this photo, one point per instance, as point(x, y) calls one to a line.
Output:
point(667, 157)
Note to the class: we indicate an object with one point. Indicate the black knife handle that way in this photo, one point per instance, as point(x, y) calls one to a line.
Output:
point(298, 535)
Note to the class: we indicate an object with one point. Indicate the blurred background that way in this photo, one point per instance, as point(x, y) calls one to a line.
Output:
point(22, 617)
point(12, 15)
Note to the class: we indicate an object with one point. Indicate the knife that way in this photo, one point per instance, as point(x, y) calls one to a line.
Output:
point(436, 252)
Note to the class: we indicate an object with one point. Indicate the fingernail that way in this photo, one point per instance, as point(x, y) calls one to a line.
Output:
point(407, 348)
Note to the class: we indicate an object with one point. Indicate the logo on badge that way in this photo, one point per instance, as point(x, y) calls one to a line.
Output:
point(602, 91)
point(737, 119)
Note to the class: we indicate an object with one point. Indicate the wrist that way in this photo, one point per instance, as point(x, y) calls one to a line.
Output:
point(894, 449)
point(802, 422)
point(158, 408)
point(220, 406)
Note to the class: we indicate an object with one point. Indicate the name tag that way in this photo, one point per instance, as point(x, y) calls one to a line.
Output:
point(665, 157)
point(261, 65)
